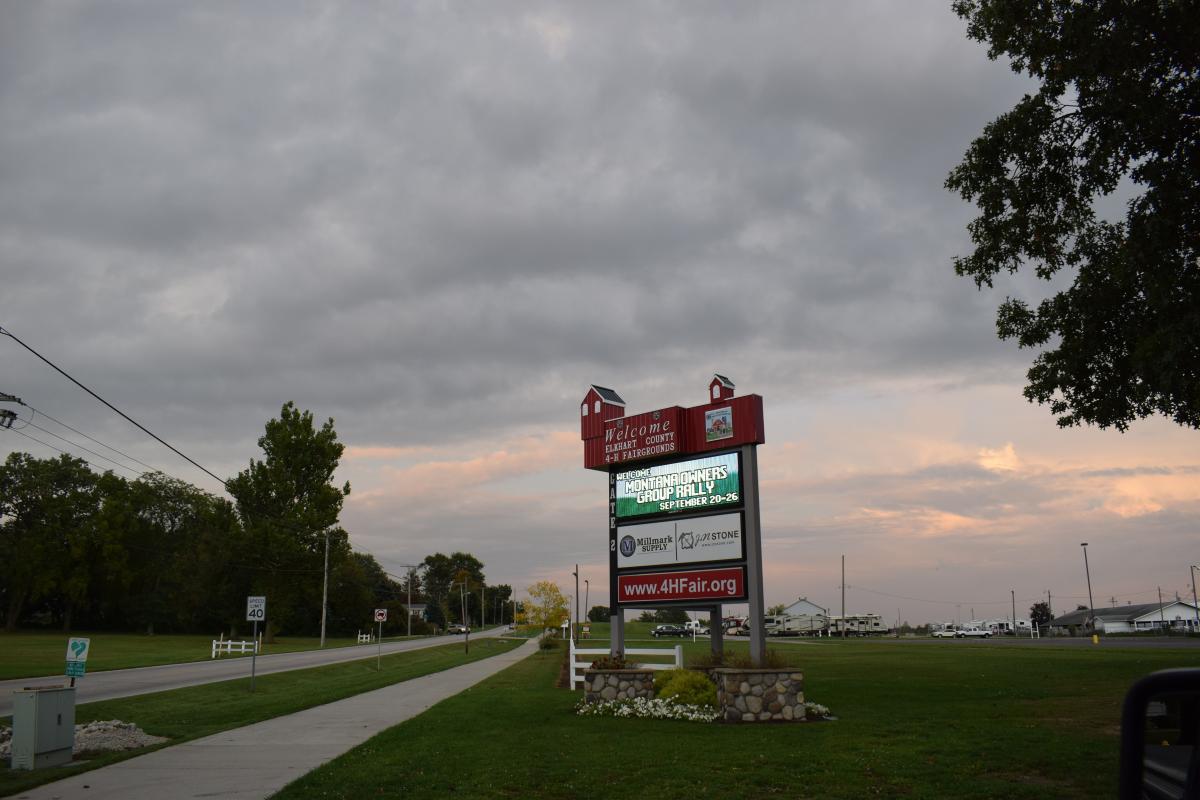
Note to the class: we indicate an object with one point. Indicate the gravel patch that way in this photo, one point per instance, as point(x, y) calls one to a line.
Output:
point(103, 735)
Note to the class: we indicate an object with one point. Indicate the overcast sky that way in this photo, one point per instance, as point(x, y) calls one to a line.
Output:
point(439, 223)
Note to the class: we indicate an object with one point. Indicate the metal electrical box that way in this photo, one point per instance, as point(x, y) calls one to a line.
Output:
point(43, 726)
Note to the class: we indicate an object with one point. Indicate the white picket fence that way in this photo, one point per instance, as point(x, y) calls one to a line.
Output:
point(577, 666)
point(365, 638)
point(220, 646)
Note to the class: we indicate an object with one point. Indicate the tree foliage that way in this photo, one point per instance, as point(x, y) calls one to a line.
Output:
point(47, 535)
point(1039, 615)
point(599, 614)
point(1119, 101)
point(547, 605)
point(446, 597)
point(288, 506)
point(157, 555)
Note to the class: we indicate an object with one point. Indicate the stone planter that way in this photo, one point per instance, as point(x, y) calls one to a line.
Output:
point(617, 684)
point(760, 695)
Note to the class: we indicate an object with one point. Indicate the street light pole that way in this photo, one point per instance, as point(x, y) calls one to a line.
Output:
point(1091, 604)
point(1195, 605)
point(325, 589)
point(586, 598)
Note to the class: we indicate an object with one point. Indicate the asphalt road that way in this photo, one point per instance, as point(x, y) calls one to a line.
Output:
point(143, 680)
point(1106, 643)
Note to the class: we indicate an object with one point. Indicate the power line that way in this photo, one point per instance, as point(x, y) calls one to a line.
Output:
point(150, 467)
point(130, 419)
point(32, 424)
point(64, 452)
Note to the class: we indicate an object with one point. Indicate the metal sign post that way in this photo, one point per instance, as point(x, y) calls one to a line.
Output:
point(380, 617)
point(256, 609)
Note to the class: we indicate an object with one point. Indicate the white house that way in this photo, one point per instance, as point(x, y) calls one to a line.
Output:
point(1175, 615)
point(805, 606)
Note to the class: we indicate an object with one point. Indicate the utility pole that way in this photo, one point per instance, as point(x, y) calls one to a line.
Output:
point(843, 596)
point(1162, 621)
point(1091, 604)
point(7, 418)
point(1049, 604)
point(1013, 592)
point(586, 592)
point(575, 622)
point(482, 607)
point(325, 589)
point(462, 593)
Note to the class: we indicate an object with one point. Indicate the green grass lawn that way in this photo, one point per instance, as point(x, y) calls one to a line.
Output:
point(913, 721)
point(27, 655)
point(184, 714)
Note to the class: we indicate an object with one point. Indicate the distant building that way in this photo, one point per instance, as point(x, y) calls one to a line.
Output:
point(805, 606)
point(1172, 615)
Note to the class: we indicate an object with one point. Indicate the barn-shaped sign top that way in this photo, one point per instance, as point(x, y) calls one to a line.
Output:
point(610, 438)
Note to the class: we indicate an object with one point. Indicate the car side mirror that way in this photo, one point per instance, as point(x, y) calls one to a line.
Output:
point(1160, 726)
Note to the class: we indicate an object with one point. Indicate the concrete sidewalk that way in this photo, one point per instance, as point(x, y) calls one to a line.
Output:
point(259, 760)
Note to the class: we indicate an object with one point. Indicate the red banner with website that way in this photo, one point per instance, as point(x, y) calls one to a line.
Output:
point(725, 583)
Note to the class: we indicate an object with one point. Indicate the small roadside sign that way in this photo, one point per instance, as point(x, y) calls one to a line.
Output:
point(256, 612)
point(78, 649)
point(256, 609)
point(77, 654)
point(381, 615)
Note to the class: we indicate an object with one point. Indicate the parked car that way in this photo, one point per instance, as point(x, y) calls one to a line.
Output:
point(945, 633)
point(976, 633)
point(669, 630)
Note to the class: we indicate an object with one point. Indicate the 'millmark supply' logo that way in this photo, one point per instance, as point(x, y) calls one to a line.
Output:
point(628, 546)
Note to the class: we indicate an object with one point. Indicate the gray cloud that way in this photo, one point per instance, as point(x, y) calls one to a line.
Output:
point(440, 224)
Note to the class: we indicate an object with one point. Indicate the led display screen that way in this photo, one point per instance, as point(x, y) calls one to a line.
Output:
point(697, 484)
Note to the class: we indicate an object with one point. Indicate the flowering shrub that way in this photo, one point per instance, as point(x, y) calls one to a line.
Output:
point(686, 687)
point(816, 710)
point(609, 662)
point(647, 709)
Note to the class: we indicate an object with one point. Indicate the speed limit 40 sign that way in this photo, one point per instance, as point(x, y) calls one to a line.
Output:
point(256, 609)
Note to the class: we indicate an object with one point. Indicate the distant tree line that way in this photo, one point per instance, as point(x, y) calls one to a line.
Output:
point(86, 551)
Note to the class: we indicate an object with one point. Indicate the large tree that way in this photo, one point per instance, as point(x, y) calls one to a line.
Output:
point(1039, 615)
point(289, 505)
point(47, 537)
point(1117, 110)
point(547, 606)
point(440, 573)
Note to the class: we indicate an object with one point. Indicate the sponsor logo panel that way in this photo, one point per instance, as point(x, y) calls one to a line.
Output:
point(688, 541)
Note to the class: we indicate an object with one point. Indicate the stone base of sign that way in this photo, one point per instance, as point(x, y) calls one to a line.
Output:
point(618, 684)
point(760, 695)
